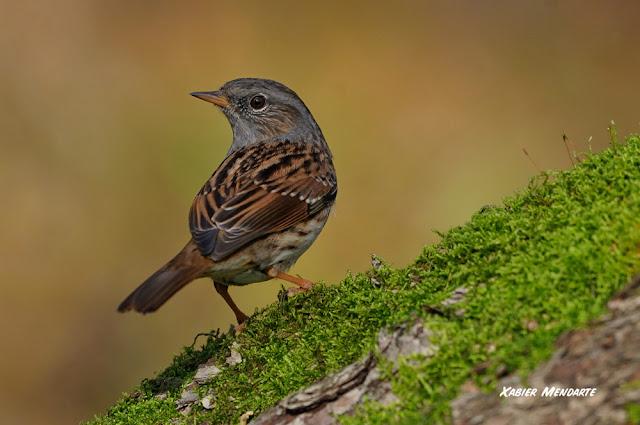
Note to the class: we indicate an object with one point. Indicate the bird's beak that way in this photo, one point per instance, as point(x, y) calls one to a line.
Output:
point(215, 97)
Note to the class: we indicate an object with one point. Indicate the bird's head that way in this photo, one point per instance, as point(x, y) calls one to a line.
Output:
point(261, 110)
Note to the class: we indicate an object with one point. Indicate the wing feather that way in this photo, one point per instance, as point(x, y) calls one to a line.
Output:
point(259, 190)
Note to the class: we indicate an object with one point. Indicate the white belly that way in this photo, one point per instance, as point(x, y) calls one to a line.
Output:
point(278, 251)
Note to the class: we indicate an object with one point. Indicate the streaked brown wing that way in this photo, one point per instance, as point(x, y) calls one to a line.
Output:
point(258, 190)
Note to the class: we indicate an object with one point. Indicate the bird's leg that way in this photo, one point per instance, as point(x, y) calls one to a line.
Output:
point(223, 290)
point(304, 284)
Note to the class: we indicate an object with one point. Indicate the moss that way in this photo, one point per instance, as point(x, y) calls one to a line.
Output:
point(633, 410)
point(544, 262)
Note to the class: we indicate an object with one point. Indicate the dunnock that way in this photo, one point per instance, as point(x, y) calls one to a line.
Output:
point(262, 208)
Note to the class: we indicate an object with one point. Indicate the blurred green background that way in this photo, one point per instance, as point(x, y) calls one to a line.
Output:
point(426, 106)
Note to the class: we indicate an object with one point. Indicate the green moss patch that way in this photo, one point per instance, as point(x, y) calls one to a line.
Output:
point(544, 262)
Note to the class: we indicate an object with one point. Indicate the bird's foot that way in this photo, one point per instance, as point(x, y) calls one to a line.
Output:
point(295, 290)
point(239, 328)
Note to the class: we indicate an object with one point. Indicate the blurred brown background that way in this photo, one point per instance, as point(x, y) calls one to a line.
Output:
point(426, 106)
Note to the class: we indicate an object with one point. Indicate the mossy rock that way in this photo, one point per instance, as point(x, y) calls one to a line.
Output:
point(544, 262)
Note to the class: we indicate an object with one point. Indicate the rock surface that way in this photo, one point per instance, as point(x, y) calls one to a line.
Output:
point(340, 392)
point(605, 356)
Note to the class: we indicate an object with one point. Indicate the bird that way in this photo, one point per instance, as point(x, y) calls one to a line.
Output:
point(264, 205)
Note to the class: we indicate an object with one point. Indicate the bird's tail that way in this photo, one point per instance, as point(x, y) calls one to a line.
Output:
point(188, 265)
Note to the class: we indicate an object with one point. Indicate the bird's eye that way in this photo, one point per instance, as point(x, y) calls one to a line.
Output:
point(258, 102)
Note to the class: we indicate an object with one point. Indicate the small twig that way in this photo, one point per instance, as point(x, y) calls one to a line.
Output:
point(566, 141)
point(531, 159)
point(282, 295)
point(211, 334)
